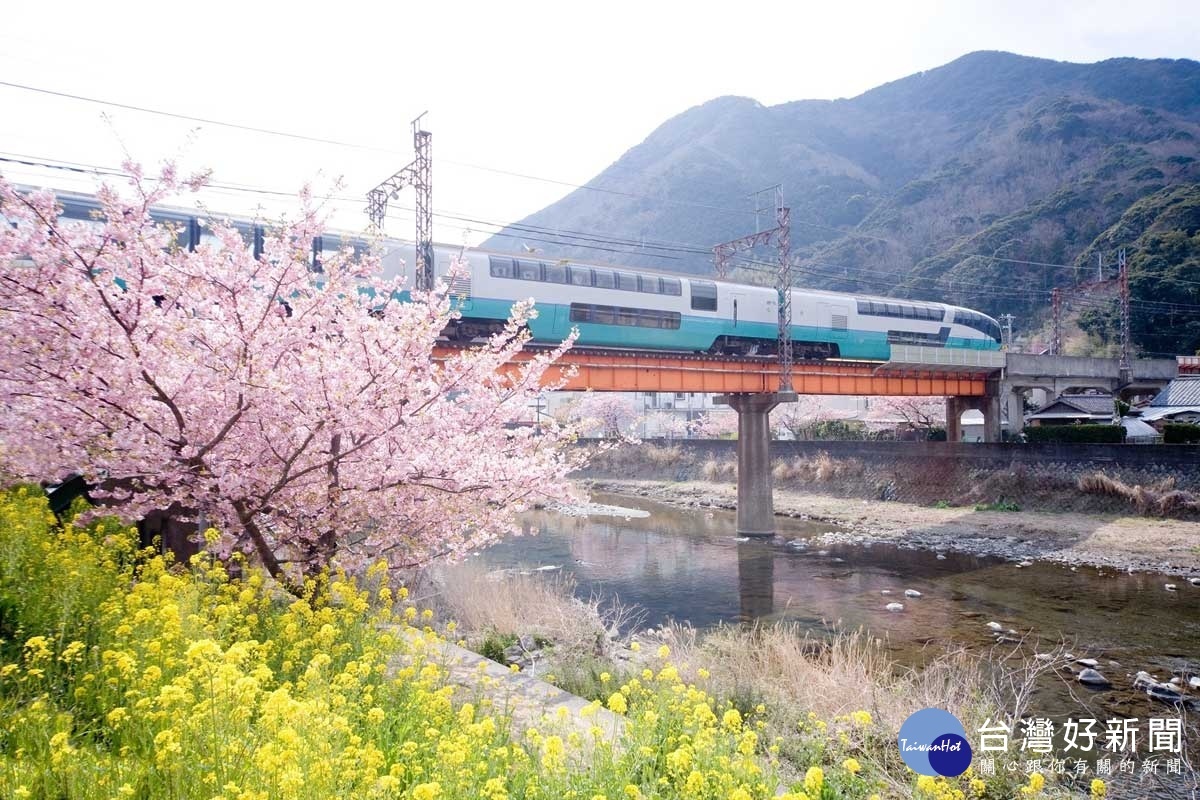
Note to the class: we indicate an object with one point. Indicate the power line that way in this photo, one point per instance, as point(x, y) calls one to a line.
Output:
point(620, 246)
point(190, 118)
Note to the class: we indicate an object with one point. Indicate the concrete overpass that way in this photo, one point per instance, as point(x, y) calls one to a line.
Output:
point(1058, 374)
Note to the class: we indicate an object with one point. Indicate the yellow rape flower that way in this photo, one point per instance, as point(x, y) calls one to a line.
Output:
point(617, 703)
point(814, 779)
point(1098, 789)
point(852, 766)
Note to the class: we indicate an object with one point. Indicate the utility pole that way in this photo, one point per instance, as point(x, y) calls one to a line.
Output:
point(419, 175)
point(781, 235)
point(1056, 310)
point(1006, 331)
point(1125, 364)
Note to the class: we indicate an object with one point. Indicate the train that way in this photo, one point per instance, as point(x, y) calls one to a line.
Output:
point(632, 308)
point(642, 309)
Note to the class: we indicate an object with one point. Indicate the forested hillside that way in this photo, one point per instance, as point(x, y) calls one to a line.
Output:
point(987, 181)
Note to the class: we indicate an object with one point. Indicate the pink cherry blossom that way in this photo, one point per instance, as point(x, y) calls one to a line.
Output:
point(305, 419)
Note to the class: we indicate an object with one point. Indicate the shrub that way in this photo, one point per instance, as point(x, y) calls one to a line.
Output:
point(1081, 434)
point(1181, 433)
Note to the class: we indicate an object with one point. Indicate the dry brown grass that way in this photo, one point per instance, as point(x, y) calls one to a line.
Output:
point(1160, 499)
point(794, 674)
point(661, 455)
point(715, 471)
point(542, 605)
point(820, 469)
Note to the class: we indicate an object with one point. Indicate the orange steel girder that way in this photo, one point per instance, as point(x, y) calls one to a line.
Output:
point(610, 371)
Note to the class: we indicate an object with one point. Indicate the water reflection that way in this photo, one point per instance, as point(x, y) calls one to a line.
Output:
point(756, 579)
point(687, 565)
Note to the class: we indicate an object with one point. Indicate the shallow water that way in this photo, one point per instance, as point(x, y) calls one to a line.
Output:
point(688, 565)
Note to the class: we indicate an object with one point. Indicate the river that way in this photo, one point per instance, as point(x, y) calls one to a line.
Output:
point(688, 565)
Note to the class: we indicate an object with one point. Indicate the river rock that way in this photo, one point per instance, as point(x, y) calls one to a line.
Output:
point(1144, 680)
point(1170, 587)
point(1044, 656)
point(996, 626)
point(1092, 677)
point(1088, 662)
point(1025, 564)
point(1165, 692)
point(1194, 682)
point(895, 606)
point(1194, 581)
point(941, 556)
point(885, 591)
point(911, 593)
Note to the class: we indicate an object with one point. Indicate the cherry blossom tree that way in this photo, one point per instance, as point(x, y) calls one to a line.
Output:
point(664, 424)
point(716, 425)
point(606, 414)
point(798, 419)
point(301, 414)
point(909, 413)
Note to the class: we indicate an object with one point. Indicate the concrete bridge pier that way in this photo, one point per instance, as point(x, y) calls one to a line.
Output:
point(755, 501)
point(988, 405)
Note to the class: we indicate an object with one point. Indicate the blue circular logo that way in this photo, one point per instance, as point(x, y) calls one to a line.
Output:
point(933, 742)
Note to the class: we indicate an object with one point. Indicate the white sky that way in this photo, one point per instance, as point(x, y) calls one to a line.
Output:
point(557, 90)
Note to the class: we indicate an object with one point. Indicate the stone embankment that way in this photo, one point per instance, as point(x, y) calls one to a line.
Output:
point(1155, 480)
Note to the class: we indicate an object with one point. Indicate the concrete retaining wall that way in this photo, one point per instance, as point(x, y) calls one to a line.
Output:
point(1031, 475)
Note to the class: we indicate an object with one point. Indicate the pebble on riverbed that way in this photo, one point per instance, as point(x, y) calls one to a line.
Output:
point(1170, 587)
point(894, 606)
point(1092, 677)
point(911, 593)
point(996, 626)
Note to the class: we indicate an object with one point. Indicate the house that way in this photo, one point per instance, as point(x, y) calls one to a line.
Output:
point(1075, 409)
point(1179, 402)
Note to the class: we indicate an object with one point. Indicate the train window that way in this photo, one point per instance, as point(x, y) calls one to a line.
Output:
point(672, 286)
point(604, 279)
point(893, 310)
point(650, 284)
point(909, 312)
point(529, 270)
point(555, 273)
point(500, 267)
point(580, 276)
point(604, 315)
point(627, 281)
point(581, 312)
point(670, 319)
point(627, 316)
point(704, 296)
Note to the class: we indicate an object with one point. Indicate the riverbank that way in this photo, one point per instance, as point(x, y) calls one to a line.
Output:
point(1112, 541)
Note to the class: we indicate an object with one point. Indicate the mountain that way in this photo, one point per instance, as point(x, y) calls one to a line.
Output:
point(968, 182)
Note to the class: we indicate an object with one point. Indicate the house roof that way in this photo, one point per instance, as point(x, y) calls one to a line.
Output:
point(1155, 414)
point(1136, 429)
point(1076, 405)
point(1183, 391)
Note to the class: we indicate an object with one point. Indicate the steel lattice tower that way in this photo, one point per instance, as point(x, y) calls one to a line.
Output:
point(419, 175)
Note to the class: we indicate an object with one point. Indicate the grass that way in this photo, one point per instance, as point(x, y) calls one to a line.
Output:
point(1161, 499)
point(815, 701)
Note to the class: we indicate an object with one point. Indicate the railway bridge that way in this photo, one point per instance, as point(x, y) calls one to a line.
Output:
point(982, 380)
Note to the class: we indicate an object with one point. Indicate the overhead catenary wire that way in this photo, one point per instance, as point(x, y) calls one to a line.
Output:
point(622, 246)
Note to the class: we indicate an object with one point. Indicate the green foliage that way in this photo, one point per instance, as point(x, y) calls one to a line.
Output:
point(494, 645)
point(999, 505)
point(1181, 433)
point(1083, 434)
point(835, 430)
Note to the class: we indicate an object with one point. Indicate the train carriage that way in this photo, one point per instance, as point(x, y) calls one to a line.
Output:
point(633, 308)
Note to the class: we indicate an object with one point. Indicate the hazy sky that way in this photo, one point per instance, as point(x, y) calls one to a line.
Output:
point(555, 90)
